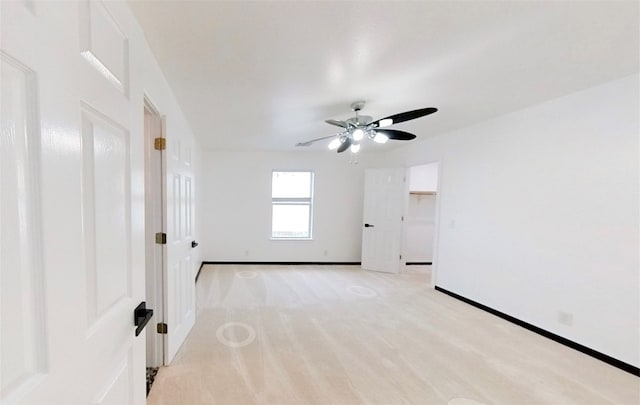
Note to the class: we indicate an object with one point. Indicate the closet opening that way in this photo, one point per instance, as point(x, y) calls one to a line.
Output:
point(420, 220)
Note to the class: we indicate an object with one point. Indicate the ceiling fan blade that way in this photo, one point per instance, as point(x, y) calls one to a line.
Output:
point(308, 143)
point(341, 124)
point(405, 116)
point(345, 145)
point(396, 135)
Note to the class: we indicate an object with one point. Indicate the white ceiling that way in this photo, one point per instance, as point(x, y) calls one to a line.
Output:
point(265, 75)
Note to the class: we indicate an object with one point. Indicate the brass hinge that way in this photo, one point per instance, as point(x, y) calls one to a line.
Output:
point(161, 328)
point(161, 238)
point(160, 143)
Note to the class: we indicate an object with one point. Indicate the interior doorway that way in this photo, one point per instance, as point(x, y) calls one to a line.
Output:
point(419, 227)
point(154, 223)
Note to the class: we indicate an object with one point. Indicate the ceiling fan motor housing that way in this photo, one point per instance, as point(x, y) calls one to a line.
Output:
point(357, 105)
point(359, 121)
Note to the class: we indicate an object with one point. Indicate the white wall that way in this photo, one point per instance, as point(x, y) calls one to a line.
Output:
point(236, 219)
point(539, 214)
point(423, 177)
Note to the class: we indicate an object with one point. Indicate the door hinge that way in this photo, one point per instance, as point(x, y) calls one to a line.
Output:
point(402, 218)
point(161, 238)
point(400, 257)
point(160, 143)
point(161, 328)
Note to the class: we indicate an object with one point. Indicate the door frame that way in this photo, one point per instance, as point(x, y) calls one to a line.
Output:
point(155, 221)
point(436, 220)
point(436, 227)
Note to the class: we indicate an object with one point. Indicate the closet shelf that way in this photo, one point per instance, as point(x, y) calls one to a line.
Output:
point(422, 192)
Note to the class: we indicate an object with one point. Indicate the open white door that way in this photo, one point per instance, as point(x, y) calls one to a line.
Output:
point(384, 199)
point(180, 271)
point(72, 247)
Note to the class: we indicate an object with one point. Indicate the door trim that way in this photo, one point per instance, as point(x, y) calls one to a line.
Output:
point(436, 220)
point(155, 222)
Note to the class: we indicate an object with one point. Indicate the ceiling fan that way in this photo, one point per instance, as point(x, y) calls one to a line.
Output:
point(355, 129)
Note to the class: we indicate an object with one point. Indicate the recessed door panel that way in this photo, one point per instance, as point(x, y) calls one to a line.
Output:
point(22, 332)
point(103, 44)
point(176, 209)
point(105, 147)
point(188, 206)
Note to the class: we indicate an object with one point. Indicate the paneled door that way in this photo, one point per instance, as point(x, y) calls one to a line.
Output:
point(180, 271)
point(72, 247)
point(384, 201)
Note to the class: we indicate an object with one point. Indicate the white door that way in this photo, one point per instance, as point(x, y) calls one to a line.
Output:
point(384, 192)
point(72, 247)
point(180, 271)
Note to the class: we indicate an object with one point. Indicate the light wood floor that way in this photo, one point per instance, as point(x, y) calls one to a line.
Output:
point(341, 335)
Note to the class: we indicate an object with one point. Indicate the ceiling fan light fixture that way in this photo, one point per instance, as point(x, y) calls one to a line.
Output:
point(380, 138)
point(385, 122)
point(335, 143)
point(357, 134)
point(355, 129)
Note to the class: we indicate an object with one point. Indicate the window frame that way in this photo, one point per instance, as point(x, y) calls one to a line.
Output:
point(305, 201)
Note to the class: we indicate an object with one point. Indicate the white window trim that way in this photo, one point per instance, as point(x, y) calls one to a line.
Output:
point(294, 201)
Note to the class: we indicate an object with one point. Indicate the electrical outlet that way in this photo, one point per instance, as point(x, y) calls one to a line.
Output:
point(565, 318)
point(246, 253)
point(326, 253)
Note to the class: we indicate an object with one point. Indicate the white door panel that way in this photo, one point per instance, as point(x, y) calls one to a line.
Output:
point(180, 269)
point(106, 212)
point(70, 266)
point(382, 219)
point(23, 355)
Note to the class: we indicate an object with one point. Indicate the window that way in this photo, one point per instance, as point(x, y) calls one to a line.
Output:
point(291, 205)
